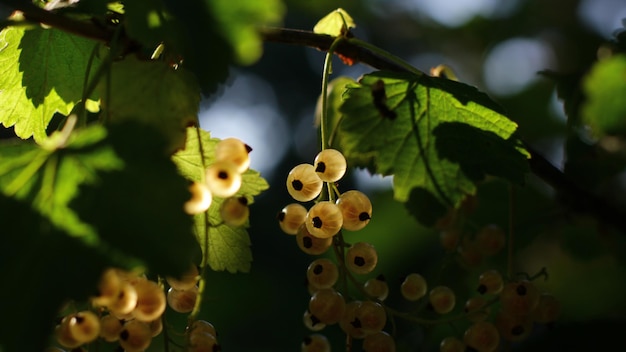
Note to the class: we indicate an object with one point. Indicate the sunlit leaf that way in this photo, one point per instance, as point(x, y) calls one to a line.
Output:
point(49, 179)
point(226, 248)
point(605, 88)
point(155, 94)
point(437, 137)
point(42, 72)
point(336, 23)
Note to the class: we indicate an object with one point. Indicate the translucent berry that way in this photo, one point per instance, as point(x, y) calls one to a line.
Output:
point(361, 258)
point(235, 151)
point(84, 326)
point(370, 316)
point(356, 210)
point(64, 337)
point(548, 309)
point(377, 287)
point(108, 288)
point(223, 179)
point(315, 343)
point(310, 244)
point(451, 344)
point(519, 298)
point(349, 323)
point(322, 273)
point(379, 342)
point(234, 211)
point(151, 301)
point(182, 301)
point(202, 326)
point(327, 305)
point(324, 219)
point(476, 309)
point(125, 301)
point(110, 328)
point(490, 282)
point(513, 328)
point(490, 239)
point(202, 342)
point(136, 336)
point(291, 217)
point(188, 280)
point(450, 239)
point(156, 327)
point(413, 287)
point(312, 322)
point(330, 165)
point(201, 199)
point(482, 336)
point(303, 184)
point(442, 299)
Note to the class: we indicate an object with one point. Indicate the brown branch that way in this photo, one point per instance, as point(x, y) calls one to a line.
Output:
point(571, 194)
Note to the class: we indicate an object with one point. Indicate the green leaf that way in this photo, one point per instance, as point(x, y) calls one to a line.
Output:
point(437, 137)
point(238, 22)
point(42, 268)
point(605, 89)
point(138, 210)
point(336, 23)
point(153, 93)
point(43, 71)
point(49, 179)
point(225, 247)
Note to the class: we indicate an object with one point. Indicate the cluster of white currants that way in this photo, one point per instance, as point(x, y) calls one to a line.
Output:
point(128, 310)
point(223, 180)
point(519, 306)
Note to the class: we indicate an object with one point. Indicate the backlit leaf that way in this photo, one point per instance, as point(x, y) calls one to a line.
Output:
point(336, 23)
point(42, 72)
point(225, 247)
point(437, 137)
point(605, 88)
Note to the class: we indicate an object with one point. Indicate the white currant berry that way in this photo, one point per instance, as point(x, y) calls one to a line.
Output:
point(110, 328)
point(202, 326)
point(361, 258)
point(156, 327)
point(442, 299)
point(125, 302)
point(377, 287)
point(324, 220)
point(519, 298)
point(476, 309)
point(108, 288)
point(315, 343)
point(234, 211)
point(151, 301)
point(223, 179)
point(201, 199)
point(291, 217)
point(182, 301)
point(513, 328)
point(379, 342)
point(322, 273)
point(451, 344)
point(490, 282)
point(64, 337)
point(356, 210)
point(203, 342)
point(312, 322)
point(84, 326)
point(482, 336)
point(413, 287)
point(136, 336)
point(330, 165)
point(234, 151)
point(327, 305)
point(186, 281)
point(490, 239)
point(349, 323)
point(310, 244)
point(370, 316)
point(303, 184)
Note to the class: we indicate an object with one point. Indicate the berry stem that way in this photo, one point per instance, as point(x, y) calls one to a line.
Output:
point(325, 75)
point(385, 55)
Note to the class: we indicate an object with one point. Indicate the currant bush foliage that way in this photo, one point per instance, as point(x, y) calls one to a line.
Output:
point(43, 72)
point(437, 137)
